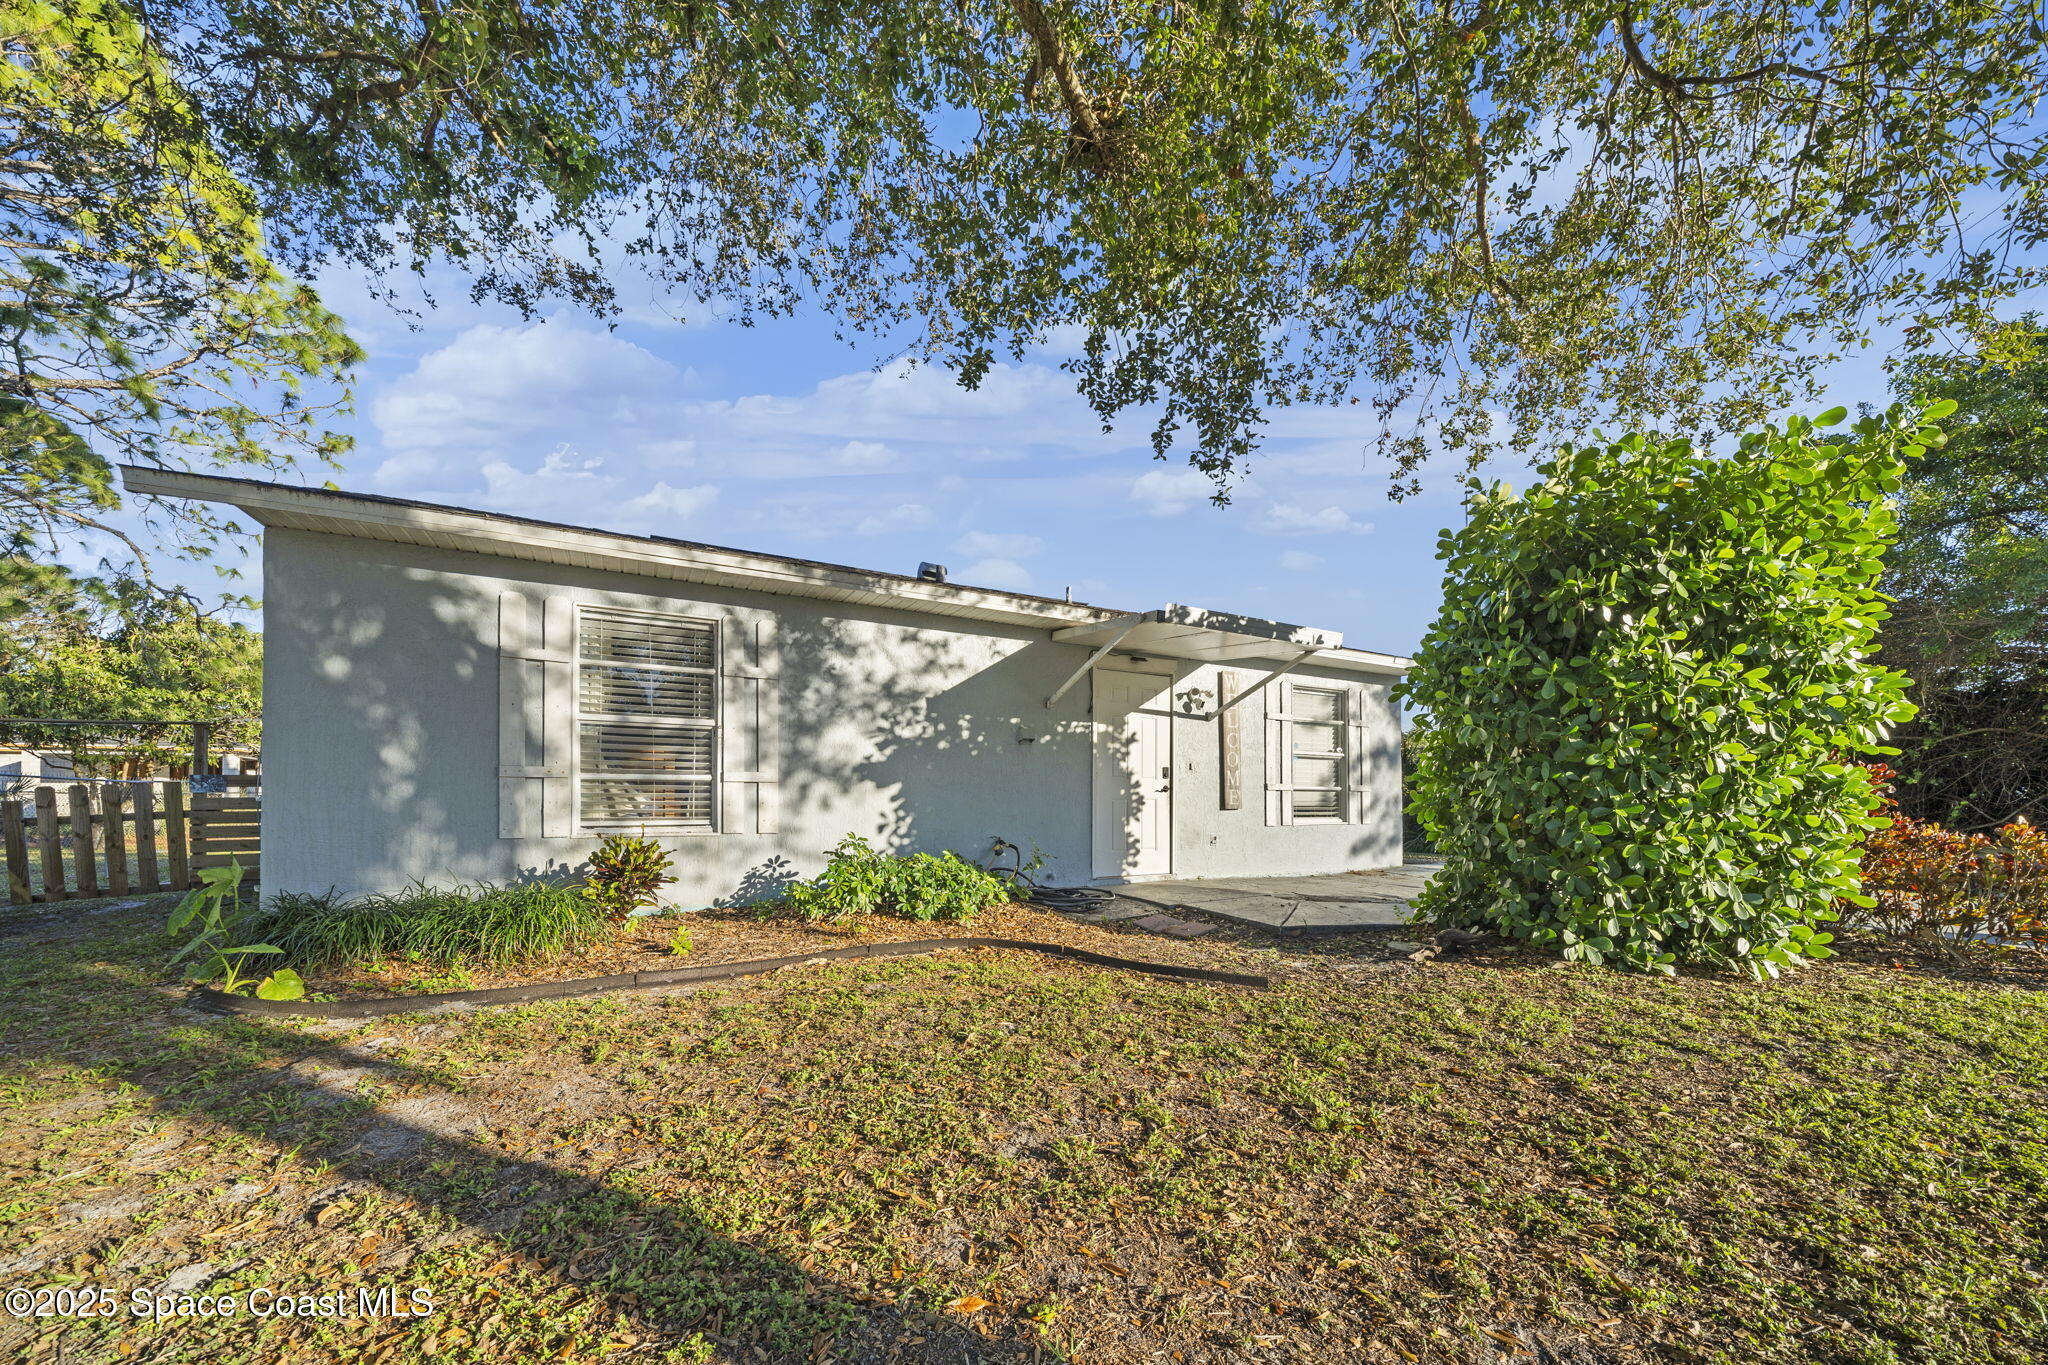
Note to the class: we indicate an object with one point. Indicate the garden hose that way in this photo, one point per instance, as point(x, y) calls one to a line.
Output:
point(1068, 900)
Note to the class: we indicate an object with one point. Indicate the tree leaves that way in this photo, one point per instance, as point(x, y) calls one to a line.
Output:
point(145, 320)
point(1970, 579)
point(1495, 226)
point(126, 657)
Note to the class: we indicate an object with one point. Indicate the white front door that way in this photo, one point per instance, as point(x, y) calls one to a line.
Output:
point(1133, 774)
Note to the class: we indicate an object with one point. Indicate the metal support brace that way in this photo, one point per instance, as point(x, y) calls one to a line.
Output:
point(1287, 667)
point(1081, 672)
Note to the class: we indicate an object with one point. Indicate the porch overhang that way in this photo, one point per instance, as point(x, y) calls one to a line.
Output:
point(1216, 637)
point(1178, 632)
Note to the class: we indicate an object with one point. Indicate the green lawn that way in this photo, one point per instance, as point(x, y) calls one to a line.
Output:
point(1479, 1160)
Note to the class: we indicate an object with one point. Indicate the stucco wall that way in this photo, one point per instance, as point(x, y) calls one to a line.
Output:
point(1209, 841)
point(381, 748)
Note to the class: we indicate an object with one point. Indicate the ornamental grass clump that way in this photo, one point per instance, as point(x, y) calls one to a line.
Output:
point(478, 925)
point(1647, 689)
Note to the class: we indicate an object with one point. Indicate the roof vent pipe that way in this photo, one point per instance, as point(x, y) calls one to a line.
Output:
point(932, 573)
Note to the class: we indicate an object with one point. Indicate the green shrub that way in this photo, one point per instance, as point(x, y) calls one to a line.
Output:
point(858, 880)
point(680, 942)
point(1646, 689)
point(626, 873)
point(470, 926)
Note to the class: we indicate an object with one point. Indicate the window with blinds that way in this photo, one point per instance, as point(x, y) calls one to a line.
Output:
point(646, 719)
point(1318, 755)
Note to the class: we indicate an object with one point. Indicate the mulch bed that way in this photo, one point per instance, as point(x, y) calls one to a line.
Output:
point(745, 934)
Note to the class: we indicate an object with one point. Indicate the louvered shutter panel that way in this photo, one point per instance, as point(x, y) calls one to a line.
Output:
point(750, 727)
point(1279, 753)
point(1357, 769)
point(536, 713)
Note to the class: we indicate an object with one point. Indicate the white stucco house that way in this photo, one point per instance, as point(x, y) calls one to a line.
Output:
point(452, 694)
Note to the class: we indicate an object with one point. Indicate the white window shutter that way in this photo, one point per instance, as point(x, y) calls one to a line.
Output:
point(749, 724)
point(1279, 753)
point(1357, 771)
point(536, 700)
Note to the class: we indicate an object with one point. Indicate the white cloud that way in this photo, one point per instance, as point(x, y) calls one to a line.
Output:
point(1063, 340)
point(904, 516)
point(1292, 519)
point(1015, 411)
point(679, 504)
point(494, 390)
point(568, 422)
point(1168, 493)
point(510, 392)
point(646, 303)
point(569, 486)
point(998, 545)
point(563, 479)
point(996, 573)
point(865, 455)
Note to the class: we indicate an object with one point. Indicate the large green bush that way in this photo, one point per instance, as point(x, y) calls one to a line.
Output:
point(1646, 690)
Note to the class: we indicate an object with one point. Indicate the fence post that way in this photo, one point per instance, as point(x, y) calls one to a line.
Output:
point(115, 822)
point(16, 840)
point(146, 874)
point(48, 845)
point(85, 864)
point(174, 836)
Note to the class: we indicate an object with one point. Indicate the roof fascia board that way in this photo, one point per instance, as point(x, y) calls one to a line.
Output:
point(483, 533)
point(1362, 661)
point(480, 531)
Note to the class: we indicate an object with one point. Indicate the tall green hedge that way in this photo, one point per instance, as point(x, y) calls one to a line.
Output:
point(1646, 690)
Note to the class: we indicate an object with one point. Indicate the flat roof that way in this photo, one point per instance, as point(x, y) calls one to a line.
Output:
point(401, 520)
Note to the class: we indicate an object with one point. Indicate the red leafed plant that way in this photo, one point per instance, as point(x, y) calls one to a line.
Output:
point(1928, 879)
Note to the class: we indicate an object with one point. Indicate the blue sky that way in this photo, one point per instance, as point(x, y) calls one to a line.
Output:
point(781, 438)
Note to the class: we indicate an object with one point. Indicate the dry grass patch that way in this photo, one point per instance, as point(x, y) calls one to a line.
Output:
point(987, 1157)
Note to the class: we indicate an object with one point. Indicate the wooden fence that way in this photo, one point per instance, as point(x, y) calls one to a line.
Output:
point(125, 838)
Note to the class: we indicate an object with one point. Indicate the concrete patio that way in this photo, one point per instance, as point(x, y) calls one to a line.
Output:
point(1339, 900)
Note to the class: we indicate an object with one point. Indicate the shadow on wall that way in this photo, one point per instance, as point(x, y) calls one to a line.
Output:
point(925, 741)
point(764, 884)
point(906, 734)
point(1382, 834)
point(416, 727)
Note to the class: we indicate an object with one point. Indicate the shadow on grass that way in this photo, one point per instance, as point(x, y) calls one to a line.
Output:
point(1978, 964)
point(663, 1271)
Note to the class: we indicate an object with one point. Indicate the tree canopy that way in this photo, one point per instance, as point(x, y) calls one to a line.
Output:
point(143, 318)
point(80, 648)
point(1970, 577)
point(1491, 223)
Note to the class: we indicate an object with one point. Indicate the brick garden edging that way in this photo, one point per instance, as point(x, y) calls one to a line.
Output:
point(223, 1003)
